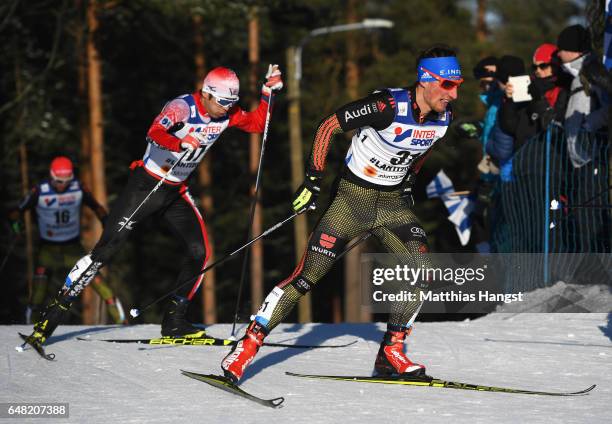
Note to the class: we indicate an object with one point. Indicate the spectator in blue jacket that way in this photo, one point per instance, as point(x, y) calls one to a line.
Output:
point(500, 145)
point(491, 95)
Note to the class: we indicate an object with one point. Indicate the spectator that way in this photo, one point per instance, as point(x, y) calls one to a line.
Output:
point(549, 92)
point(500, 145)
point(491, 95)
point(585, 107)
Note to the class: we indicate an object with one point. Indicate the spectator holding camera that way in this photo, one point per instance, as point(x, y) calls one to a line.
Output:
point(524, 118)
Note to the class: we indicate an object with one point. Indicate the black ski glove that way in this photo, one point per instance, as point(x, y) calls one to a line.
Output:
point(305, 197)
point(406, 190)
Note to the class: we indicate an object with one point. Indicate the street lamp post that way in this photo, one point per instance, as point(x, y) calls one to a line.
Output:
point(294, 72)
point(365, 24)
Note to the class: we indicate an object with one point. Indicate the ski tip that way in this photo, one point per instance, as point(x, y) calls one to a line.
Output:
point(590, 388)
point(24, 338)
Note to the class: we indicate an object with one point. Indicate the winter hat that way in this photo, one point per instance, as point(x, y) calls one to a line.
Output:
point(544, 53)
point(61, 169)
point(574, 38)
point(222, 83)
point(481, 72)
point(510, 66)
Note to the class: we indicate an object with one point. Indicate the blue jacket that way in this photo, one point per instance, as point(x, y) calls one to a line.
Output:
point(492, 100)
point(501, 148)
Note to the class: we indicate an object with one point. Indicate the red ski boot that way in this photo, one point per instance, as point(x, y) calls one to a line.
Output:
point(391, 359)
point(243, 353)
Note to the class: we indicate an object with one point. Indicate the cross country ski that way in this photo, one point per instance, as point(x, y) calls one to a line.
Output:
point(208, 341)
point(227, 385)
point(28, 341)
point(427, 381)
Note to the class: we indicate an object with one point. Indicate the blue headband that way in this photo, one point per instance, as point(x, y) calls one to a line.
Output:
point(444, 67)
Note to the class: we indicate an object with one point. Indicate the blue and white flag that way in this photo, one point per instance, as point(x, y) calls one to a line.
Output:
point(459, 207)
point(440, 186)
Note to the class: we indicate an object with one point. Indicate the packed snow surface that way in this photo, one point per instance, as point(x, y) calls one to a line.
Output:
point(131, 383)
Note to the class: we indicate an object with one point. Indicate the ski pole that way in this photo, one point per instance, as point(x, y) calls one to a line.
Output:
point(134, 312)
point(245, 258)
point(157, 186)
point(350, 247)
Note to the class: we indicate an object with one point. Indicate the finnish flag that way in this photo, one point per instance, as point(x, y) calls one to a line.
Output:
point(459, 207)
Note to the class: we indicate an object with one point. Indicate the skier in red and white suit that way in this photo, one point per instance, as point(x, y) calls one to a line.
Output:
point(191, 122)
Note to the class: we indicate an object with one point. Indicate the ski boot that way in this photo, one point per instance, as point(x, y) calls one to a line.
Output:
point(53, 315)
point(391, 359)
point(174, 324)
point(244, 351)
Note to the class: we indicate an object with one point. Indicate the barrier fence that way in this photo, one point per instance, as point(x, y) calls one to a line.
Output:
point(550, 208)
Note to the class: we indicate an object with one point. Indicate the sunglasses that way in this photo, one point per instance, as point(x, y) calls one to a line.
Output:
point(540, 66)
point(224, 102)
point(61, 180)
point(446, 84)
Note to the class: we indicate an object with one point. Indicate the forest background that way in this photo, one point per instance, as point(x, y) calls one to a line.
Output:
point(86, 78)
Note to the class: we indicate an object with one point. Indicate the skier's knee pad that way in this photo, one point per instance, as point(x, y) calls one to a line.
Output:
point(410, 233)
point(81, 275)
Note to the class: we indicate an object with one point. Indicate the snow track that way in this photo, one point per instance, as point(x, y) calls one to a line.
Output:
point(130, 383)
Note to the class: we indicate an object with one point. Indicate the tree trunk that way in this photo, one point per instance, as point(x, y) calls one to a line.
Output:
point(256, 250)
point(300, 228)
point(25, 183)
point(25, 188)
point(88, 216)
point(481, 23)
point(352, 293)
point(209, 301)
point(91, 307)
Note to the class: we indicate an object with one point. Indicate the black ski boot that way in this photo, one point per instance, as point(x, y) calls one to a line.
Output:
point(174, 323)
point(53, 316)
